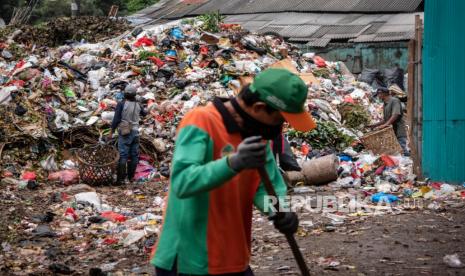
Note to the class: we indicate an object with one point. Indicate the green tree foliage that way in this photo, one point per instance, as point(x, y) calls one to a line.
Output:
point(135, 5)
point(47, 9)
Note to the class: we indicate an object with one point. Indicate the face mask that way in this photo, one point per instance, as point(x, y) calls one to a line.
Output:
point(253, 127)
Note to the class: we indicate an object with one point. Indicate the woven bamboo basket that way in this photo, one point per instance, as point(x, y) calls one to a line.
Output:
point(382, 141)
point(97, 164)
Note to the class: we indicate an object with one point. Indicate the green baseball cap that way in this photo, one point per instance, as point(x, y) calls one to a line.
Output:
point(286, 92)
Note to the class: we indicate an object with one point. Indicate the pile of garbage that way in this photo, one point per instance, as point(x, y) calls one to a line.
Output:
point(66, 30)
point(57, 99)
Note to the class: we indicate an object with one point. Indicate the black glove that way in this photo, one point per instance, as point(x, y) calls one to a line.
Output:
point(251, 154)
point(285, 222)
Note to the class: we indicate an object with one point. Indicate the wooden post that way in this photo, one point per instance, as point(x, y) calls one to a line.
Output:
point(419, 89)
point(411, 111)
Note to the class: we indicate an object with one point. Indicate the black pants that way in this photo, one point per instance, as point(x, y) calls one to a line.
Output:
point(173, 272)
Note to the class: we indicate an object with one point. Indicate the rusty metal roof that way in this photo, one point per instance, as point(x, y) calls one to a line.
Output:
point(349, 20)
point(320, 29)
point(179, 8)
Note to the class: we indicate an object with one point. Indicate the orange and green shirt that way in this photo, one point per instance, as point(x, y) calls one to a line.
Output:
point(208, 217)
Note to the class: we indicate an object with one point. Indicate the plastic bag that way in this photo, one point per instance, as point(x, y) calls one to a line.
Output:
point(67, 177)
point(387, 198)
point(319, 61)
point(394, 76)
point(369, 75)
point(143, 41)
point(95, 76)
point(5, 94)
point(49, 164)
point(112, 216)
point(28, 176)
point(61, 119)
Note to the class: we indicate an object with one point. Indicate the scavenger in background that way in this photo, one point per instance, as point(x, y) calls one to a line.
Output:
point(393, 115)
point(127, 117)
point(215, 182)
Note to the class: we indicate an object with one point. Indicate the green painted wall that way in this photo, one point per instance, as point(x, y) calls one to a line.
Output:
point(444, 91)
point(365, 55)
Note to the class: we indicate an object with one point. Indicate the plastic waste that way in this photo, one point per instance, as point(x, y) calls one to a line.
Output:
point(345, 182)
point(28, 176)
point(133, 236)
point(89, 197)
point(112, 216)
point(319, 61)
point(383, 197)
point(69, 165)
point(70, 215)
point(69, 93)
point(61, 119)
point(143, 41)
point(95, 76)
point(177, 33)
point(453, 261)
point(302, 190)
point(49, 163)
point(447, 189)
point(44, 231)
point(66, 177)
point(144, 171)
point(92, 120)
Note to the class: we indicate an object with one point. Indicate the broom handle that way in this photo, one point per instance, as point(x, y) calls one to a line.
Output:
point(290, 237)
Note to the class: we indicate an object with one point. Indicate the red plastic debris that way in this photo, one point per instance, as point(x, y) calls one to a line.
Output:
point(319, 61)
point(112, 216)
point(380, 170)
point(157, 61)
point(67, 177)
point(65, 196)
point(7, 174)
point(143, 41)
point(204, 50)
point(387, 160)
point(225, 26)
point(29, 176)
point(305, 149)
point(71, 213)
point(19, 83)
point(436, 185)
point(110, 241)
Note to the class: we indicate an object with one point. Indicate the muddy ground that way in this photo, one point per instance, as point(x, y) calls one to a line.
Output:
point(405, 242)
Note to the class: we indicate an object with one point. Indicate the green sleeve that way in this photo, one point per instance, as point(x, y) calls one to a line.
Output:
point(193, 171)
point(276, 179)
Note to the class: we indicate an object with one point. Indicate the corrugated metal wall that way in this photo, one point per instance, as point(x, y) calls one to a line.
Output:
point(444, 91)
point(358, 56)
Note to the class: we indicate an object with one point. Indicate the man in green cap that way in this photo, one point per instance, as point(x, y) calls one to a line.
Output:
point(214, 180)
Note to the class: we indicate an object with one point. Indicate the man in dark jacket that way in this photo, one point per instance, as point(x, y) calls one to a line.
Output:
point(128, 110)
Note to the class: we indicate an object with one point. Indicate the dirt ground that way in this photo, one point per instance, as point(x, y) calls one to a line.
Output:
point(408, 242)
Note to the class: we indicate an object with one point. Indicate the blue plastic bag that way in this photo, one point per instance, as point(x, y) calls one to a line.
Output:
point(384, 197)
point(345, 157)
point(170, 53)
point(177, 33)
